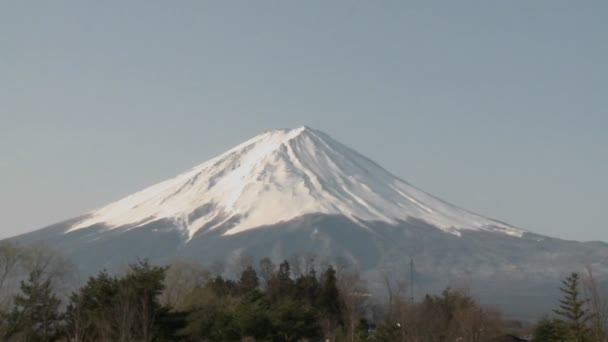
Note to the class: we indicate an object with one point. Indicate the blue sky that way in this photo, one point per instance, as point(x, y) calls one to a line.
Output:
point(496, 106)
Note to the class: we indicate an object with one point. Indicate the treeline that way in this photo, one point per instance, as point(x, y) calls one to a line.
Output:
point(181, 303)
point(262, 302)
point(310, 307)
point(297, 301)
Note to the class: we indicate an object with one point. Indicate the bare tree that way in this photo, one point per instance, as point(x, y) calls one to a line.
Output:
point(78, 326)
point(597, 306)
point(242, 262)
point(146, 316)
point(180, 280)
point(354, 300)
point(10, 258)
point(296, 262)
point(123, 314)
point(52, 265)
point(309, 263)
point(217, 268)
point(472, 323)
point(17, 262)
point(266, 271)
point(395, 287)
point(404, 312)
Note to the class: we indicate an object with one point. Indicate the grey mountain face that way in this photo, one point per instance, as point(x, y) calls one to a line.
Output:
point(518, 275)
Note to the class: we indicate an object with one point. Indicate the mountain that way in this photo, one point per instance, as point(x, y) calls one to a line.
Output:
point(278, 176)
point(298, 192)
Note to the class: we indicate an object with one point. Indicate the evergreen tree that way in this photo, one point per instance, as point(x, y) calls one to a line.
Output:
point(389, 331)
point(142, 286)
point(329, 300)
point(123, 308)
point(329, 304)
point(550, 330)
point(249, 281)
point(212, 323)
point(251, 316)
point(35, 315)
point(88, 310)
point(294, 320)
point(281, 285)
point(307, 287)
point(362, 331)
point(572, 311)
point(223, 287)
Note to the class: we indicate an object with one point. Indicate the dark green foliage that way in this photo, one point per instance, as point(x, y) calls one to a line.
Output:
point(35, 315)
point(169, 323)
point(307, 287)
point(550, 330)
point(571, 310)
point(329, 300)
point(217, 324)
point(388, 331)
point(280, 284)
point(229, 312)
point(223, 287)
point(362, 330)
point(87, 307)
point(122, 308)
point(249, 281)
point(252, 317)
point(293, 320)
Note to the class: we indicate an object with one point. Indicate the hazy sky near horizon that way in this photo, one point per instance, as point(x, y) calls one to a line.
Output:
point(499, 107)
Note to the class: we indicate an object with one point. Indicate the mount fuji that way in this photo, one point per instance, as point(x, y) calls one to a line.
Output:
point(297, 192)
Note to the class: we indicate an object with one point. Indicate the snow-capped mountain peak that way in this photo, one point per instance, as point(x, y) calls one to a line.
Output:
point(280, 175)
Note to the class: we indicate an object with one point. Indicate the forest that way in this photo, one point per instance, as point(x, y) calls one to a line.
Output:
point(261, 301)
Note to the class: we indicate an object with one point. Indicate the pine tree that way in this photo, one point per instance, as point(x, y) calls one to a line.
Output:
point(362, 332)
point(142, 286)
point(330, 305)
point(249, 281)
point(251, 316)
point(549, 330)
point(307, 287)
point(87, 313)
point(330, 298)
point(388, 331)
point(35, 315)
point(281, 285)
point(293, 320)
point(126, 308)
point(572, 311)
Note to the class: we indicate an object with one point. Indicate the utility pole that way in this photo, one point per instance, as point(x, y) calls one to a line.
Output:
point(412, 280)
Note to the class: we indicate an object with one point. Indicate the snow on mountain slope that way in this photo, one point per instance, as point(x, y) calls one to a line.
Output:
point(280, 175)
